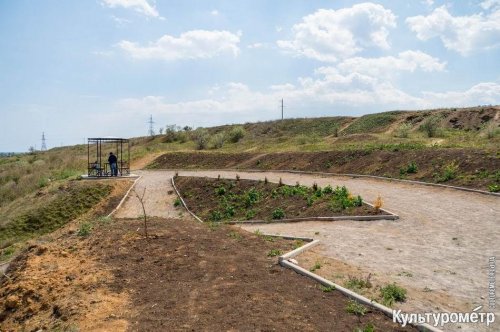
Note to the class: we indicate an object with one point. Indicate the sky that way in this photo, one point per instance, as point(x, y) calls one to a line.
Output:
point(78, 69)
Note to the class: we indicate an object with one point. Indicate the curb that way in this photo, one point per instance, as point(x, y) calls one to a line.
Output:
point(182, 201)
point(388, 216)
point(124, 197)
point(338, 174)
point(284, 261)
point(339, 218)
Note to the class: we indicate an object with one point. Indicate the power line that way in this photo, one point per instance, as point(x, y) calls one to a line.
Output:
point(151, 129)
point(44, 145)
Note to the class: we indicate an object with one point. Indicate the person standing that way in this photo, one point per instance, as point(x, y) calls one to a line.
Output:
point(113, 164)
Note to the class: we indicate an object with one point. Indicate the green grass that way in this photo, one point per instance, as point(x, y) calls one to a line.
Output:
point(372, 123)
point(77, 199)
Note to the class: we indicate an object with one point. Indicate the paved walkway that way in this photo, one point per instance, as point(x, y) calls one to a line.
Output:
point(443, 239)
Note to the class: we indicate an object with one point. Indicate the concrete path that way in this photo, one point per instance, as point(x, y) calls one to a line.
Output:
point(444, 238)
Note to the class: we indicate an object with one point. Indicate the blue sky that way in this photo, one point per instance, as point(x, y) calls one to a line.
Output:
point(77, 69)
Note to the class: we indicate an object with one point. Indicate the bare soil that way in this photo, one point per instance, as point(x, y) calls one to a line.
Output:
point(202, 197)
point(192, 277)
point(476, 169)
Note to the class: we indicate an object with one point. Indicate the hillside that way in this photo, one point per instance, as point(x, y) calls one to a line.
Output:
point(461, 142)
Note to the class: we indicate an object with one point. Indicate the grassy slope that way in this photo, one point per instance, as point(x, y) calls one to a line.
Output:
point(25, 175)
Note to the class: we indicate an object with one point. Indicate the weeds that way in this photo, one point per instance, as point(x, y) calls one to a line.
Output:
point(355, 308)
point(449, 172)
point(315, 267)
point(278, 214)
point(84, 229)
point(250, 214)
point(494, 188)
point(392, 293)
point(297, 244)
point(378, 203)
point(411, 168)
point(274, 253)
point(235, 235)
point(177, 202)
point(327, 289)
point(355, 283)
point(368, 328)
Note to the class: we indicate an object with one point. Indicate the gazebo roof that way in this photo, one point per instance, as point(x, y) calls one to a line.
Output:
point(108, 139)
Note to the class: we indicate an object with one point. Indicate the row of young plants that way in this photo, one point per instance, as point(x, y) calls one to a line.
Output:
point(230, 202)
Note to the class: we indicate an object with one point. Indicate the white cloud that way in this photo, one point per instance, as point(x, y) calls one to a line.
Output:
point(408, 61)
point(479, 94)
point(140, 6)
point(463, 34)
point(119, 20)
point(428, 3)
point(256, 45)
point(195, 44)
point(488, 4)
point(328, 35)
point(327, 89)
point(214, 12)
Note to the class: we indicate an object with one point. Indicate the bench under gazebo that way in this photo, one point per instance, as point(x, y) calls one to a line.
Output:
point(98, 150)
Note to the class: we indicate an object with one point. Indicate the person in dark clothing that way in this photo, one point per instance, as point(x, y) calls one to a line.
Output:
point(113, 164)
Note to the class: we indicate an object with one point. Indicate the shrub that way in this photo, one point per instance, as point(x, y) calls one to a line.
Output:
point(177, 202)
point(392, 293)
point(430, 126)
point(217, 141)
point(252, 196)
point(328, 189)
point(236, 134)
point(492, 130)
point(170, 134)
point(221, 191)
point(278, 214)
point(410, 169)
point(201, 139)
point(403, 130)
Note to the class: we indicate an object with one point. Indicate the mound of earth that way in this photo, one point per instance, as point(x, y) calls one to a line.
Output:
point(461, 167)
point(230, 200)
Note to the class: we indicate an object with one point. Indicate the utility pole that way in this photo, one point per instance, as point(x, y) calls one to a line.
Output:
point(44, 145)
point(282, 108)
point(151, 122)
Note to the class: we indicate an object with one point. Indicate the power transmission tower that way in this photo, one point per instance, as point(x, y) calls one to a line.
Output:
point(44, 145)
point(151, 129)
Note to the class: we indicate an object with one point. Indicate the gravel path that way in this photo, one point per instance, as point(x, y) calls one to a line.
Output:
point(443, 239)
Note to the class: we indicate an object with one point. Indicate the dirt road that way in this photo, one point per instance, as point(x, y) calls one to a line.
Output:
point(439, 249)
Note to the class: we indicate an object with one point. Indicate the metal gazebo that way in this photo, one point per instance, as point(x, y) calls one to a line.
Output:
point(99, 167)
